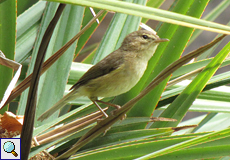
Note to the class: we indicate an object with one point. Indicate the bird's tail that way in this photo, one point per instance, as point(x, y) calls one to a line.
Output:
point(61, 103)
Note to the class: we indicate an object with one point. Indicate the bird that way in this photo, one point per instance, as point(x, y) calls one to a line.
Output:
point(115, 74)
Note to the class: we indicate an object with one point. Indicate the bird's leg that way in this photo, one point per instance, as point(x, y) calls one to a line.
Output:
point(98, 106)
point(112, 105)
point(109, 104)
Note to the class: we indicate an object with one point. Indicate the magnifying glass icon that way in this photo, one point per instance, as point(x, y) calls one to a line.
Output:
point(9, 147)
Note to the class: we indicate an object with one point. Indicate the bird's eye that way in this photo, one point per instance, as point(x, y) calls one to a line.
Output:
point(145, 36)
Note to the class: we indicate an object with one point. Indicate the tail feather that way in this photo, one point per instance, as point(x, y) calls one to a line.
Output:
point(61, 103)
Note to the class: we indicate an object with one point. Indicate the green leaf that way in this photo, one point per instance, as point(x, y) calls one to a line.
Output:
point(24, 4)
point(120, 26)
point(198, 153)
point(126, 136)
point(28, 24)
point(68, 26)
point(8, 15)
point(210, 17)
point(165, 54)
point(48, 15)
point(151, 13)
point(85, 37)
point(134, 148)
point(182, 103)
point(189, 143)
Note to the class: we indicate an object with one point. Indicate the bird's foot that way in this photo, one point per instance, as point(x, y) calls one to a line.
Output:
point(98, 122)
point(114, 111)
point(112, 105)
point(106, 131)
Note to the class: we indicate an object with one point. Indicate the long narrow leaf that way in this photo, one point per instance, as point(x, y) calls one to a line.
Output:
point(8, 14)
point(151, 13)
point(180, 106)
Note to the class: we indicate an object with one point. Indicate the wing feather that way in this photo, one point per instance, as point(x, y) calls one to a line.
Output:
point(105, 66)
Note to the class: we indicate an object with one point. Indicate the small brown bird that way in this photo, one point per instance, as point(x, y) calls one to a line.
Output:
point(117, 73)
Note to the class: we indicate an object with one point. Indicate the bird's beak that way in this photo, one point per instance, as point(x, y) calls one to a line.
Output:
point(161, 40)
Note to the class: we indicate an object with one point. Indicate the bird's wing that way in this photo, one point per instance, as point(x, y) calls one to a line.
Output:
point(105, 66)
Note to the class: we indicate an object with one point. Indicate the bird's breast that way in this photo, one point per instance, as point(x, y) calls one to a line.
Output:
point(116, 82)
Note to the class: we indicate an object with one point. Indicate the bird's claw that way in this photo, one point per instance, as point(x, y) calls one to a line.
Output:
point(114, 111)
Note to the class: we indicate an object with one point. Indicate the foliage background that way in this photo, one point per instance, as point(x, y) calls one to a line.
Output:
point(135, 135)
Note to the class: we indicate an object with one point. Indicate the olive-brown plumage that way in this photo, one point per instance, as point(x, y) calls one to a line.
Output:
point(117, 73)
